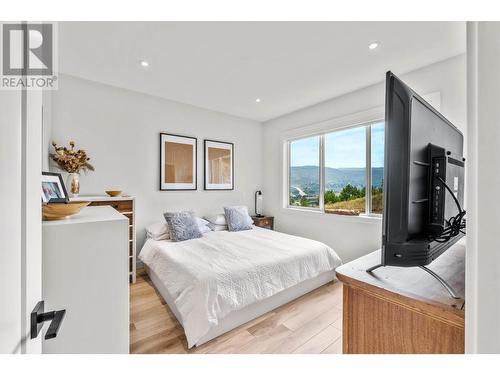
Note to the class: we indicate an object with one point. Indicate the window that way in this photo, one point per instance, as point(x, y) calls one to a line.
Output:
point(377, 167)
point(304, 173)
point(345, 171)
point(331, 172)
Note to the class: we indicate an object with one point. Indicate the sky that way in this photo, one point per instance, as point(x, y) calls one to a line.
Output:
point(343, 149)
point(378, 145)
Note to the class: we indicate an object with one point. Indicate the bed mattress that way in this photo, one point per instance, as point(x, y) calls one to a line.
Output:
point(209, 280)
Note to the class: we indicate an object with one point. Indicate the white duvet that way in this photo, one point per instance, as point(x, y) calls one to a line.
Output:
point(223, 271)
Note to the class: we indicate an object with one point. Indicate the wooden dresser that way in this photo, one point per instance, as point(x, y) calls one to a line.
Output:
point(403, 310)
point(126, 206)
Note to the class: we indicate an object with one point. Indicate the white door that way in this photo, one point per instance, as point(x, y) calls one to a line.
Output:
point(20, 223)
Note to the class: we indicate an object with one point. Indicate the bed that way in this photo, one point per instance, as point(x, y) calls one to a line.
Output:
point(224, 279)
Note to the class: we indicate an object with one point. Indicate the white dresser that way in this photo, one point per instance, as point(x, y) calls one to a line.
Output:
point(85, 271)
point(126, 206)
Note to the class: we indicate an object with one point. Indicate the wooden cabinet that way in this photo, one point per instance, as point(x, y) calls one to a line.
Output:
point(126, 206)
point(264, 222)
point(403, 310)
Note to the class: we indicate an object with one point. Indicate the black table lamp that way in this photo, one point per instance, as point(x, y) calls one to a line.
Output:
point(258, 192)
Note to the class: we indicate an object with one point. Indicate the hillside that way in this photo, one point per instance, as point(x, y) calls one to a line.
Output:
point(335, 178)
point(357, 205)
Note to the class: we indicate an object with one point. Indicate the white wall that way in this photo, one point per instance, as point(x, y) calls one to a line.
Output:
point(120, 131)
point(483, 256)
point(46, 129)
point(352, 237)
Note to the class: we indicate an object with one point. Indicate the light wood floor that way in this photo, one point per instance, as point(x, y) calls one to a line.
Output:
point(309, 324)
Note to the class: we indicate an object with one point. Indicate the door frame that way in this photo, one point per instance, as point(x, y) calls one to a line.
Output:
point(21, 167)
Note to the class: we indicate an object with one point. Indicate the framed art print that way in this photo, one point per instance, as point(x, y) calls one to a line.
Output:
point(177, 162)
point(53, 189)
point(219, 165)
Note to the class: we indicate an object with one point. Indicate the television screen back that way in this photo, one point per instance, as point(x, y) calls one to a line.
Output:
point(411, 125)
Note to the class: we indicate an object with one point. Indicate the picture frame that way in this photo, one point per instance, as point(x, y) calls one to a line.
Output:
point(218, 165)
point(178, 162)
point(53, 189)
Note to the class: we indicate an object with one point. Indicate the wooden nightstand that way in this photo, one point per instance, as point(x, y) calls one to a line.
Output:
point(264, 222)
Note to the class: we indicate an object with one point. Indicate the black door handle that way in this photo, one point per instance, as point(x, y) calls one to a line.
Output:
point(39, 316)
point(56, 318)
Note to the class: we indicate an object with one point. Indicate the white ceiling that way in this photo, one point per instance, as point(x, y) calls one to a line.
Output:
point(226, 66)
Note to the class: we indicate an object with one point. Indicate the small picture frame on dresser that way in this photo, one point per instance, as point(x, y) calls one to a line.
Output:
point(53, 189)
point(266, 222)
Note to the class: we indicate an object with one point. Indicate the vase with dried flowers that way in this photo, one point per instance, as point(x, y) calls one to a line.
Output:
point(71, 161)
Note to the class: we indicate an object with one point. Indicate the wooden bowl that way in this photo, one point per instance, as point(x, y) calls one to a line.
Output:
point(58, 211)
point(113, 193)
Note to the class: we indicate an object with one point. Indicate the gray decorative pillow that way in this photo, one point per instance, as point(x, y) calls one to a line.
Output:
point(182, 226)
point(237, 218)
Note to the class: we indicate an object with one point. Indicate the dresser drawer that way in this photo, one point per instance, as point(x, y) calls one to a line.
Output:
point(121, 206)
point(130, 217)
point(264, 222)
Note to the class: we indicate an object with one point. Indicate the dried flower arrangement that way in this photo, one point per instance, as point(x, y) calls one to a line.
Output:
point(71, 160)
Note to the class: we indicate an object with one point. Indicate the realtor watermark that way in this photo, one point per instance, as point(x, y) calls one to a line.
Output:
point(28, 56)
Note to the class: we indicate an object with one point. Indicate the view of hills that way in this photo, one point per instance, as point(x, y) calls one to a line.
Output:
point(306, 177)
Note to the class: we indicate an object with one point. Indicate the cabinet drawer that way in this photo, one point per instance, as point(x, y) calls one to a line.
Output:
point(264, 223)
point(130, 218)
point(121, 206)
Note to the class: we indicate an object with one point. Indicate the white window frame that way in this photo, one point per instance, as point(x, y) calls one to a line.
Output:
point(366, 120)
point(372, 116)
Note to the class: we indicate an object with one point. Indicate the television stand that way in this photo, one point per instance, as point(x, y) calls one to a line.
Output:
point(401, 309)
point(430, 272)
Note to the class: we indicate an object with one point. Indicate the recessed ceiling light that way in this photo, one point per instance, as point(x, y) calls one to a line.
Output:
point(144, 63)
point(257, 100)
point(373, 45)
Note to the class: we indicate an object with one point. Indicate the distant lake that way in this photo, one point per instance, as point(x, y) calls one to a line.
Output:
point(306, 178)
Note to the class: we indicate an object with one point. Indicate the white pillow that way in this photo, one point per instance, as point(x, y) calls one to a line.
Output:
point(218, 219)
point(201, 222)
point(205, 229)
point(158, 231)
point(216, 227)
point(203, 225)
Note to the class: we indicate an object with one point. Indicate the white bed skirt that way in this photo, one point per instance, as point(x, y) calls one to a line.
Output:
point(248, 313)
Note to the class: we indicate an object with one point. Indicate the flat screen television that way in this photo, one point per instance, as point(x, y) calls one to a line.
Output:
point(423, 180)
